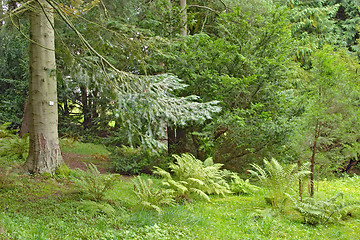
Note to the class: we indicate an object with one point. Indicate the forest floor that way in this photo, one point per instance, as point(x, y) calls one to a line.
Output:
point(43, 207)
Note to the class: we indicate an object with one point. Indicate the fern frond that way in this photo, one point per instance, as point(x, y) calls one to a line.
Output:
point(200, 193)
point(277, 179)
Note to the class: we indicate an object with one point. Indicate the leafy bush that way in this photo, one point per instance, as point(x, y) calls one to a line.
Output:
point(94, 183)
point(239, 186)
point(191, 175)
point(11, 145)
point(278, 180)
point(151, 197)
point(129, 160)
point(322, 211)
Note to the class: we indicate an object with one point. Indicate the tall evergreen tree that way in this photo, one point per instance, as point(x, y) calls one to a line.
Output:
point(44, 151)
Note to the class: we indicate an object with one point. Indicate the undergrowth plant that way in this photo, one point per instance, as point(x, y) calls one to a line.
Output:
point(6, 178)
point(151, 197)
point(94, 209)
point(190, 175)
point(130, 161)
point(95, 183)
point(11, 145)
point(323, 211)
point(240, 186)
point(278, 180)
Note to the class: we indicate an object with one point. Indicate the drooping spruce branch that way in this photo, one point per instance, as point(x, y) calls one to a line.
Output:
point(145, 103)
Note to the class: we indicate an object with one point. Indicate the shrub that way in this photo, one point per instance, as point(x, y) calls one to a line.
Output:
point(130, 161)
point(94, 183)
point(191, 175)
point(151, 197)
point(278, 180)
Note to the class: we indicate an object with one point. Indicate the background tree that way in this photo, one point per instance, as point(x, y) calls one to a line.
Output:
point(327, 132)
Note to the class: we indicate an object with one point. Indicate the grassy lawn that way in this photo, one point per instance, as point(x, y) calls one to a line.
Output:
point(55, 208)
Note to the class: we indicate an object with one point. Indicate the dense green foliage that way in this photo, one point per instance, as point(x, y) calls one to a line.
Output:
point(11, 145)
point(130, 161)
point(13, 76)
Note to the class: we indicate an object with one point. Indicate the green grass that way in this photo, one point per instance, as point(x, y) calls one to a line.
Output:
point(70, 146)
point(40, 208)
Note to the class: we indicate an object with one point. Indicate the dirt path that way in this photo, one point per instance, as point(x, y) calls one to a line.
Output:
point(74, 161)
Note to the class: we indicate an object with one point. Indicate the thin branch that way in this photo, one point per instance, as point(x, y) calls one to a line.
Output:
point(205, 7)
point(85, 42)
point(105, 9)
point(223, 3)
point(25, 35)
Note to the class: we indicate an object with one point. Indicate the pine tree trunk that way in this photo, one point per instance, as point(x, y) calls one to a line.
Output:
point(44, 150)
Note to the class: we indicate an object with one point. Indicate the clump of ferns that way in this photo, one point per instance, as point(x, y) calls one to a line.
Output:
point(242, 187)
point(151, 197)
point(189, 175)
point(277, 180)
point(323, 211)
point(94, 183)
point(11, 145)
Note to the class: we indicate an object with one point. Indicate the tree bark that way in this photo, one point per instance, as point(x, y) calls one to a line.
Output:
point(26, 119)
point(312, 165)
point(177, 140)
point(85, 107)
point(44, 150)
point(1, 13)
point(183, 29)
point(300, 182)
